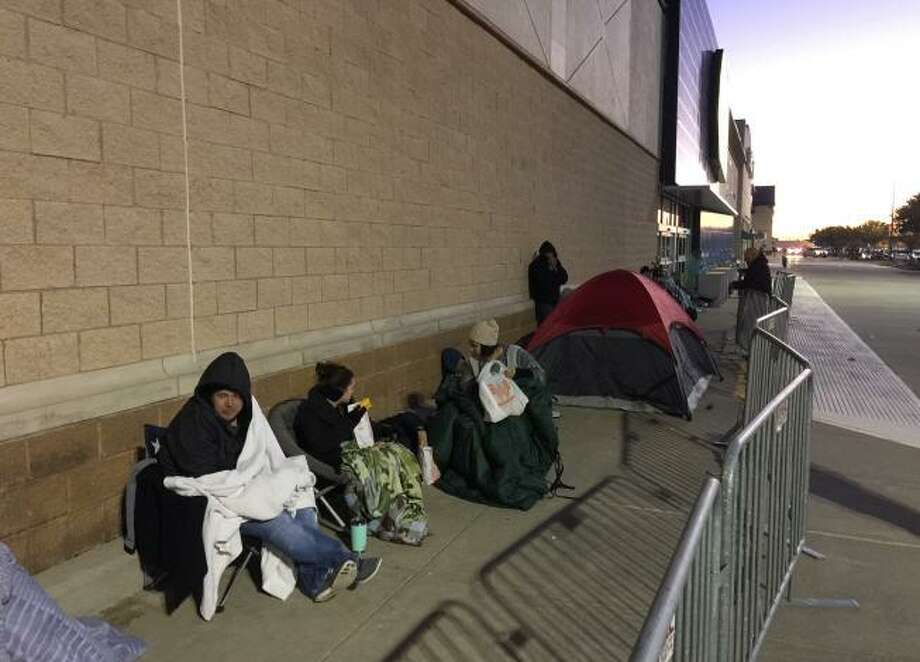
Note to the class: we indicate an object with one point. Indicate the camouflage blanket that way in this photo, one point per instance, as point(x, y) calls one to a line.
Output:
point(385, 490)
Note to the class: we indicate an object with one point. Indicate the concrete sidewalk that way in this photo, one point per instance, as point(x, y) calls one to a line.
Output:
point(569, 579)
point(583, 571)
point(864, 515)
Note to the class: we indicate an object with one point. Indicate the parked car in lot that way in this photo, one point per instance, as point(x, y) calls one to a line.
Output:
point(915, 255)
point(901, 256)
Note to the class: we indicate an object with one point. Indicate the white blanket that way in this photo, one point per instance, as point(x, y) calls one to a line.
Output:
point(264, 484)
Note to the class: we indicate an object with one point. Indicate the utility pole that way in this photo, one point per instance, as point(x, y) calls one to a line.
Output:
point(891, 227)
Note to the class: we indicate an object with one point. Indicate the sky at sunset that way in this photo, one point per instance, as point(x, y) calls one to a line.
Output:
point(830, 90)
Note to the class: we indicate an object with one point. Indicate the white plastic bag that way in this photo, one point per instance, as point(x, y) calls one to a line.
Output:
point(430, 472)
point(364, 433)
point(500, 396)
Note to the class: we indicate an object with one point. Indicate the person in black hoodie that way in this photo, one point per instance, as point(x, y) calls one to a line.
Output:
point(545, 276)
point(208, 435)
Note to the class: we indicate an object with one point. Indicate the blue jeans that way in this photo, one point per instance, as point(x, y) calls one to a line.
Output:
point(298, 537)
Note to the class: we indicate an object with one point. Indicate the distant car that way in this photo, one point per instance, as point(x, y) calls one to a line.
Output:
point(820, 252)
point(901, 256)
point(915, 255)
point(865, 254)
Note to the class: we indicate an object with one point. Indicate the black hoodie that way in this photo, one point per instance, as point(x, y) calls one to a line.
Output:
point(543, 282)
point(198, 440)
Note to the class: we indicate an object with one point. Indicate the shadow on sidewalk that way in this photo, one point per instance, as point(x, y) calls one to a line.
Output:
point(839, 489)
point(455, 631)
point(672, 460)
point(577, 587)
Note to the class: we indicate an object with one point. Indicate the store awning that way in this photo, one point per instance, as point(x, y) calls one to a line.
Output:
point(706, 198)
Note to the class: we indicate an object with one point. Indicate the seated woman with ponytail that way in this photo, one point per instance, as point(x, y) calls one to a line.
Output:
point(385, 486)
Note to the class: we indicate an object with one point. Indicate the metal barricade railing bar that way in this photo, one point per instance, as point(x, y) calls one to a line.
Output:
point(777, 320)
point(684, 615)
point(784, 285)
point(764, 492)
point(755, 529)
point(772, 365)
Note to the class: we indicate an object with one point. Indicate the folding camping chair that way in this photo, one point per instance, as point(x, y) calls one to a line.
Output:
point(281, 419)
point(154, 437)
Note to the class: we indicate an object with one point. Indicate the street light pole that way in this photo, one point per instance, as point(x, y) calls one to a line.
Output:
point(891, 227)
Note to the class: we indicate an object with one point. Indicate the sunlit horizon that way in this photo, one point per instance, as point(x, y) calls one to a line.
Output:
point(814, 80)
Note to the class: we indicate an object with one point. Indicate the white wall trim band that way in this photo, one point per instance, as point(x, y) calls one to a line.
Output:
point(37, 406)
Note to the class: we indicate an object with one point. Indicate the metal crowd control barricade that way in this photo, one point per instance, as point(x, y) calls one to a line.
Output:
point(771, 366)
point(753, 519)
point(784, 285)
point(776, 321)
point(764, 499)
point(684, 619)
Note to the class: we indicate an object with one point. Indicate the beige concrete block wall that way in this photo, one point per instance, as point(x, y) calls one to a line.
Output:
point(348, 162)
point(395, 149)
point(763, 222)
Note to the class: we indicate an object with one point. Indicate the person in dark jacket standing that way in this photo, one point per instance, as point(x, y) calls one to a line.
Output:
point(545, 276)
point(757, 276)
point(755, 289)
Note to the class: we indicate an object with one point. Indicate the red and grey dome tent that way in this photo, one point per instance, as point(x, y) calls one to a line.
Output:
point(620, 340)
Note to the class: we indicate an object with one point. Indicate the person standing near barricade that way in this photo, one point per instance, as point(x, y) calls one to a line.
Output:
point(545, 277)
point(755, 289)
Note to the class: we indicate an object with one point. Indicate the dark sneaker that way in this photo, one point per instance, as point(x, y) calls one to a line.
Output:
point(341, 578)
point(367, 569)
point(345, 575)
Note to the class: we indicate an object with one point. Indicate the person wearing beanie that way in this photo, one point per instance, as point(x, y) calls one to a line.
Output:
point(485, 333)
point(484, 346)
point(544, 277)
